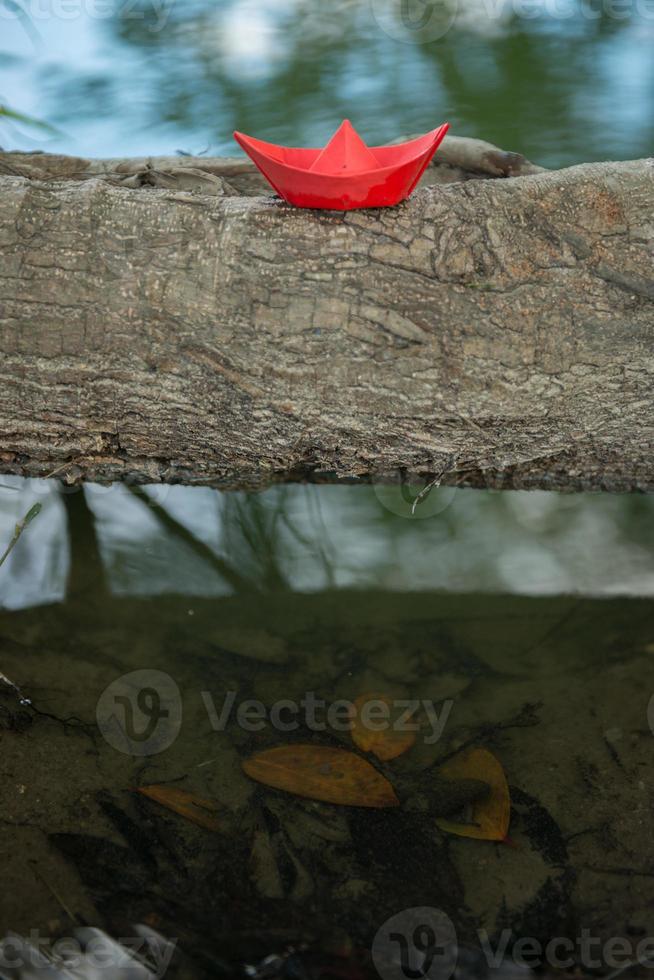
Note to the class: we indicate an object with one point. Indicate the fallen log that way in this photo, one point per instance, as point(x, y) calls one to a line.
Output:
point(159, 322)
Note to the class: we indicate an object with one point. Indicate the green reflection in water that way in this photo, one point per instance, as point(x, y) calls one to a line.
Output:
point(561, 82)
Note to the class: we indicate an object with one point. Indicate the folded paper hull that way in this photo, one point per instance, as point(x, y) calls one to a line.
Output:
point(398, 169)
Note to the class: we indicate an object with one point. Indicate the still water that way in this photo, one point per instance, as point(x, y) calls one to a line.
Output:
point(525, 621)
point(562, 81)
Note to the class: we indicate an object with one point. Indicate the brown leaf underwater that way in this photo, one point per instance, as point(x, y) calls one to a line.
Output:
point(320, 772)
point(387, 742)
point(490, 815)
point(194, 808)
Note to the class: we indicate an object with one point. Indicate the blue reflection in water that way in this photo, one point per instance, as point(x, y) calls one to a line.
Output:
point(560, 80)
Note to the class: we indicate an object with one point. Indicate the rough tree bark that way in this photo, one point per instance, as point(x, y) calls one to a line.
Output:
point(158, 322)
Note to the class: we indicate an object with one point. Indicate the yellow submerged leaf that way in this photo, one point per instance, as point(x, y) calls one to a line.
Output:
point(490, 815)
point(374, 730)
point(320, 772)
point(195, 808)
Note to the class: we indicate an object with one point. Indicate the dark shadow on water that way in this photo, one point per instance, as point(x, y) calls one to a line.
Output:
point(557, 688)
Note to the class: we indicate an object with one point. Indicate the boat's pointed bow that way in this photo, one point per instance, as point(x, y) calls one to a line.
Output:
point(246, 143)
point(439, 134)
point(240, 138)
point(434, 139)
point(267, 157)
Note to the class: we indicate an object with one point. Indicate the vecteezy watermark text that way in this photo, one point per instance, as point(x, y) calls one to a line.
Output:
point(96, 953)
point(425, 21)
point(422, 942)
point(140, 713)
point(152, 13)
point(318, 715)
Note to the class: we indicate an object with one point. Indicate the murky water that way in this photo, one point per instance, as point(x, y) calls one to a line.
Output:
point(140, 631)
point(522, 623)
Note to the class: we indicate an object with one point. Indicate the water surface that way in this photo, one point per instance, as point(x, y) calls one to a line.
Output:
point(560, 80)
point(527, 618)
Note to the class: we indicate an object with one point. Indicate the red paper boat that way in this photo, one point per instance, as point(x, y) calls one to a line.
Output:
point(346, 173)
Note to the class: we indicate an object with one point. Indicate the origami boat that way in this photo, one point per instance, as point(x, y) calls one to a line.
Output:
point(345, 173)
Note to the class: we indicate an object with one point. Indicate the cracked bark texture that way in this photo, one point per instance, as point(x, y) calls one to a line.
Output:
point(491, 332)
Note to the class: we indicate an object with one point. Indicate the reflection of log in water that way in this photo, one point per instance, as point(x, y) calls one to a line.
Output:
point(490, 331)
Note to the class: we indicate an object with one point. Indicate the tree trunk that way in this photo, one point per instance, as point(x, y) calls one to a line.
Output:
point(160, 323)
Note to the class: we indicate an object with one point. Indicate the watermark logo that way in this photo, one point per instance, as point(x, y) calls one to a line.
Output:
point(372, 714)
point(422, 943)
point(416, 944)
point(423, 21)
point(415, 21)
point(140, 713)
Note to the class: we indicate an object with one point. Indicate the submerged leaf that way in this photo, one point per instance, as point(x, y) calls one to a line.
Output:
point(490, 815)
point(195, 808)
point(378, 726)
point(322, 773)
